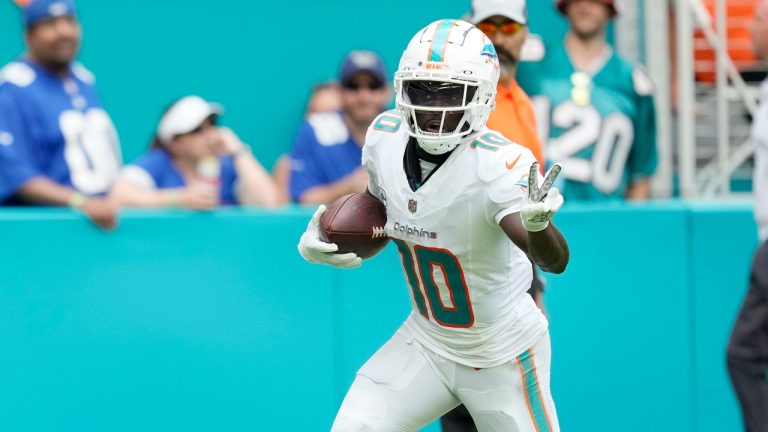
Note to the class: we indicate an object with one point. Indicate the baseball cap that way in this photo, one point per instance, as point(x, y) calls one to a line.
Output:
point(512, 9)
point(41, 10)
point(184, 116)
point(362, 61)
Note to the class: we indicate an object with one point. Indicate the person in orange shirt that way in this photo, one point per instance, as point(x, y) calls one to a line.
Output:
point(505, 22)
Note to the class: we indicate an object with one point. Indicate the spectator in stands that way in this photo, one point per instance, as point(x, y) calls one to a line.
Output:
point(327, 151)
point(58, 145)
point(595, 109)
point(325, 98)
point(194, 164)
point(748, 345)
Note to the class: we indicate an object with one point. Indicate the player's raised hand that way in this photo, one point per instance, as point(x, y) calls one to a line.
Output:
point(543, 200)
point(317, 251)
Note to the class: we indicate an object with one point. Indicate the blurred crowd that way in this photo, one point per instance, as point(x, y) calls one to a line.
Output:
point(59, 146)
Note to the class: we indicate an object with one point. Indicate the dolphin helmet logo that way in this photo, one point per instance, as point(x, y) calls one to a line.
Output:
point(489, 51)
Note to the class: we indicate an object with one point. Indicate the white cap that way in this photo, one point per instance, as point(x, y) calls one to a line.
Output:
point(186, 115)
point(512, 9)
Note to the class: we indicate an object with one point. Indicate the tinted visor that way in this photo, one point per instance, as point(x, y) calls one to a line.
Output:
point(438, 93)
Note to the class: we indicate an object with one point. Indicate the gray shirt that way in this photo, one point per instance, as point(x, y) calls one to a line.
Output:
point(760, 177)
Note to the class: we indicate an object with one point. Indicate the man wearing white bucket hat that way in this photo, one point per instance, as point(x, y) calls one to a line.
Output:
point(194, 164)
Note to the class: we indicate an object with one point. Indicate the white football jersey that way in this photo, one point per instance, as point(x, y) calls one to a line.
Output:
point(467, 279)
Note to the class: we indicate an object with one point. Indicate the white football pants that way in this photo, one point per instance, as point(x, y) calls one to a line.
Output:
point(404, 387)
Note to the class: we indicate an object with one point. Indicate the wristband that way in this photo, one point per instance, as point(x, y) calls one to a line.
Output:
point(172, 199)
point(535, 226)
point(76, 200)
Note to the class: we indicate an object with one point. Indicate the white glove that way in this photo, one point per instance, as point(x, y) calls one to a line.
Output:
point(317, 251)
point(543, 200)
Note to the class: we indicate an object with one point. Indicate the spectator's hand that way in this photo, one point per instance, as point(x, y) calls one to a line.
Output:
point(198, 196)
point(101, 212)
point(543, 200)
point(317, 251)
point(228, 143)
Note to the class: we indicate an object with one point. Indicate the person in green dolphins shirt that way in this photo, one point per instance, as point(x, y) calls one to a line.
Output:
point(594, 109)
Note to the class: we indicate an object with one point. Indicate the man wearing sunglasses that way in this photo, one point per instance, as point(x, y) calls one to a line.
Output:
point(326, 155)
point(594, 108)
point(505, 22)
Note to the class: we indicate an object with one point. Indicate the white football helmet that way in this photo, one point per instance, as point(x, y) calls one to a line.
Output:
point(446, 84)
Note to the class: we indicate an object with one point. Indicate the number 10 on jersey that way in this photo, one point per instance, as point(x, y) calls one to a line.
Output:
point(420, 265)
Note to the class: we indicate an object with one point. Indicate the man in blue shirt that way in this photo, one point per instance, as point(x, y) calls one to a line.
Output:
point(57, 144)
point(327, 151)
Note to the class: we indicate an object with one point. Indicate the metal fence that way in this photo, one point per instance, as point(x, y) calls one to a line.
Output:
point(698, 53)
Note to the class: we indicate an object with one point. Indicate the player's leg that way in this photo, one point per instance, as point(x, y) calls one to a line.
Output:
point(748, 348)
point(396, 391)
point(513, 397)
point(458, 420)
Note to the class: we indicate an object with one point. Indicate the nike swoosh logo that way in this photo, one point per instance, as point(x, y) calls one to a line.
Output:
point(512, 164)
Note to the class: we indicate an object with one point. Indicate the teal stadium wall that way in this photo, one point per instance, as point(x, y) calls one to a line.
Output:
point(258, 58)
point(212, 321)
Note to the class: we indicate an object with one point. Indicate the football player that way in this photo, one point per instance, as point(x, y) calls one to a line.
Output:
point(464, 206)
point(594, 109)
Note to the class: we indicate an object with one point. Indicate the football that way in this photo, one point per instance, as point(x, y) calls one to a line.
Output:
point(355, 222)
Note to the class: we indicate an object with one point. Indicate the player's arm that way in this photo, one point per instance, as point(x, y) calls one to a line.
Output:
point(547, 248)
point(531, 229)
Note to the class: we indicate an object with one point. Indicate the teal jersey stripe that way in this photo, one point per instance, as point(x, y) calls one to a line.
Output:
point(438, 43)
point(531, 386)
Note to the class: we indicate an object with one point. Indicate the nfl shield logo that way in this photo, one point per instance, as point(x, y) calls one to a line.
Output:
point(412, 205)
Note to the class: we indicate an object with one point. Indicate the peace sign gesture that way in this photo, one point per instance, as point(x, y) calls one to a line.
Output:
point(543, 200)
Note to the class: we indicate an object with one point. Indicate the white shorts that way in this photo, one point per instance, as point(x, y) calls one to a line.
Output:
point(404, 387)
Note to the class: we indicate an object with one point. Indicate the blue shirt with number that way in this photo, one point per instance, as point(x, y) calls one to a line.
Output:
point(55, 127)
point(323, 153)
